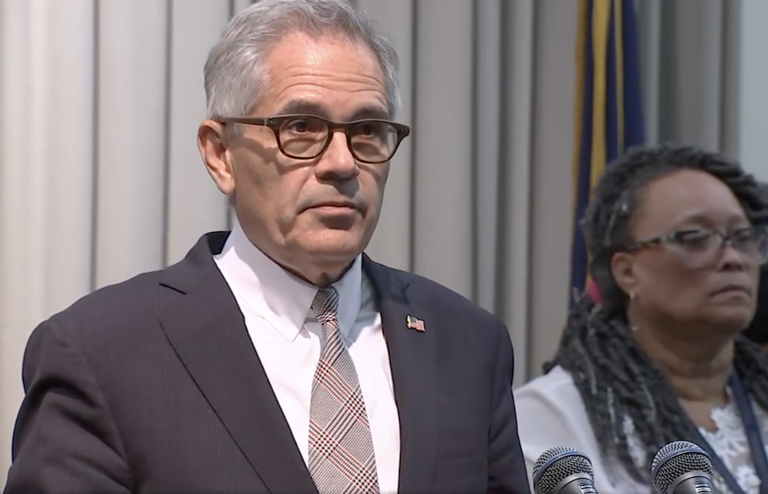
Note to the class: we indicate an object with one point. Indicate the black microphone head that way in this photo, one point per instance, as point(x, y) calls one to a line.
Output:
point(557, 464)
point(675, 460)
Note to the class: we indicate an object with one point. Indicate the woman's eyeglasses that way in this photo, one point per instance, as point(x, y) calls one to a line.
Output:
point(702, 247)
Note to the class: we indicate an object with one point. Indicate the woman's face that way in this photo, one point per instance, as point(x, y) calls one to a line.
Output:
point(681, 272)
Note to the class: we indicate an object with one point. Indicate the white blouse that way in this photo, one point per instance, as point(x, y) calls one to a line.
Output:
point(550, 413)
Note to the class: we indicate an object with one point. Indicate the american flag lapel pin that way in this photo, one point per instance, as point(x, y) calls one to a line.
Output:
point(414, 323)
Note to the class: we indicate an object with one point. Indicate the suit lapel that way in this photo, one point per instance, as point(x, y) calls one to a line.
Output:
point(413, 359)
point(206, 328)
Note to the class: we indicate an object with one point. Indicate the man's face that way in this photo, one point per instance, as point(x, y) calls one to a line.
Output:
point(311, 216)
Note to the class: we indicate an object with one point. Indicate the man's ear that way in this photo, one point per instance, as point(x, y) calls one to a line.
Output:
point(623, 271)
point(212, 144)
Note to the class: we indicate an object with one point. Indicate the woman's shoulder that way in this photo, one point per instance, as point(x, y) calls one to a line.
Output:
point(550, 408)
point(557, 384)
point(550, 413)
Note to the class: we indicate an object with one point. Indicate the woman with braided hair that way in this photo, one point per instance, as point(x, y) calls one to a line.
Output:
point(676, 237)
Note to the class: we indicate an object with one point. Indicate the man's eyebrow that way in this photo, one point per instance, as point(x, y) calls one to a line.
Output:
point(303, 107)
point(375, 112)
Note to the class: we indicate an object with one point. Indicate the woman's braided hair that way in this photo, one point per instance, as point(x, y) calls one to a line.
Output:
point(615, 378)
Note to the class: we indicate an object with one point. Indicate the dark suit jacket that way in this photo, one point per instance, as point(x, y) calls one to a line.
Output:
point(757, 330)
point(153, 385)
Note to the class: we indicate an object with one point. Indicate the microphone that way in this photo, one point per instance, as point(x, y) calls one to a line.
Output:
point(562, 470)
point(681, 467)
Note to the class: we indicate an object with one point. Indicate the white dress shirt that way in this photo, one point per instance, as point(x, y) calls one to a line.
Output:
point(287, 338)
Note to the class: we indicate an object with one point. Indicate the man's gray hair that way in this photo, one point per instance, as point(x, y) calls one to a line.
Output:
point(234, 71)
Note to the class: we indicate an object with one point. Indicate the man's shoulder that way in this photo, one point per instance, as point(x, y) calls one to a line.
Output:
point(423, 290)
point(140, 294)
point(116, 302)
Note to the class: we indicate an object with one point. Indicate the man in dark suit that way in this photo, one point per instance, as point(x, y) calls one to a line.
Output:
point(277, 357)
point(757, 330)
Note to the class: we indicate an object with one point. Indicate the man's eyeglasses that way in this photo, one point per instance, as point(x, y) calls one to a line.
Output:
point(306, 137)
point(701, 248)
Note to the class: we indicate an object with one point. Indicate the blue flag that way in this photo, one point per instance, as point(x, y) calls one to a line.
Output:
point(609, 117)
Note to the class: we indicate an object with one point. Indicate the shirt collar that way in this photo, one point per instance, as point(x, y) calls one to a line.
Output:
point(278, 296)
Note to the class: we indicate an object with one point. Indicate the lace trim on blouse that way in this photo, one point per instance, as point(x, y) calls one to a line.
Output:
point(729, 441)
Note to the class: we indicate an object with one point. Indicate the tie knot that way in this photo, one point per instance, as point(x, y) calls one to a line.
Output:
point(326, 305)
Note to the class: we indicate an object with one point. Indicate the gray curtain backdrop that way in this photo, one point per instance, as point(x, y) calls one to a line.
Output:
point(690, 64)
point(100, 178)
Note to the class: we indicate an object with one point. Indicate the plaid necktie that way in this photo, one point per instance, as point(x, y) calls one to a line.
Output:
point(341, 457)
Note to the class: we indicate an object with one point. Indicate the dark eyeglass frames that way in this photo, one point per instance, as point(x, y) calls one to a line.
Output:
point(306, 137)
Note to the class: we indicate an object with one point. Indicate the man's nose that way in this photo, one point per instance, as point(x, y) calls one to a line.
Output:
point(337, 161)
